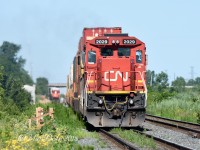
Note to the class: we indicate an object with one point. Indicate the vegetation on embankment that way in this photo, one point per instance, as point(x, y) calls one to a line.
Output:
point(183, 106)
point(177, 101)
point(61, 133)
point(15, 110)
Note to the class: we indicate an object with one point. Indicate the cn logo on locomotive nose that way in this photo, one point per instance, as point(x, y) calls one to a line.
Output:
point(117, 73)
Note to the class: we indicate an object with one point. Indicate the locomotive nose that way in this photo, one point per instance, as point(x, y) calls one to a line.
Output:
point(114, 74)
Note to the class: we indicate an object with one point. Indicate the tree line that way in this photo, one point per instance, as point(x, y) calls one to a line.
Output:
point(12, 78)
point(160, 82)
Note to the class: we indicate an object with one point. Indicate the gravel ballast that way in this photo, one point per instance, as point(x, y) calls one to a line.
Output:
point(101, 144)
point(173, 136)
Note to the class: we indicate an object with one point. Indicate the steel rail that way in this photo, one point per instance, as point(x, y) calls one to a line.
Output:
point(168, 144)
point(189, 128)
point(120, 141)
point(177, 121)
point(164, 143)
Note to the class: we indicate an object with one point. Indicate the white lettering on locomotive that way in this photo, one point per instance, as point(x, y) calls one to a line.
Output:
point(117, 73)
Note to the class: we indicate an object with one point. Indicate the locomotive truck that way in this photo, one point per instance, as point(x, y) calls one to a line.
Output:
point(107, 80)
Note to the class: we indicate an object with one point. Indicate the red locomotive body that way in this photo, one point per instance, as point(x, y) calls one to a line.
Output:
point(54, 93)
point(108, 86)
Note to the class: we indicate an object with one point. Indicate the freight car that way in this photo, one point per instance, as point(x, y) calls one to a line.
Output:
point(107, 80)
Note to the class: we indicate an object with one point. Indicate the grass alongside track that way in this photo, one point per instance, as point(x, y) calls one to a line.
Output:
point(66, 128)
point(182, 106)
point(140, 140)
point(62, 133)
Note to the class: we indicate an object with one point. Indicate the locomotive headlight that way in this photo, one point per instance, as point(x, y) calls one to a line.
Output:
point(117, 42)
point(131, 101)
point(113, 41)
point(100, 101)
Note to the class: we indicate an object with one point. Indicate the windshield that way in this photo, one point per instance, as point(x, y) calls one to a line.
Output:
point(123, 51)
point(106, 52)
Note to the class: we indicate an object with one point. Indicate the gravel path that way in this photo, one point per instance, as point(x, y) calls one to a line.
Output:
point(173, 136)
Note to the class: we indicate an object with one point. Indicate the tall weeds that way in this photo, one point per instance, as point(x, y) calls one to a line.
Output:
point(182, 106)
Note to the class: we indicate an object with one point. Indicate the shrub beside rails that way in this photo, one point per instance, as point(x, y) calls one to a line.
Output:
point(107, 80)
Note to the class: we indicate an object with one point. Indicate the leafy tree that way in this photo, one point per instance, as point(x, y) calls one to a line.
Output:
point(197, 80)
point(42, 86)
point(197, 84)
point(12, 63)
point(179, 84)
point(12, 78)
point(190, 82)
point(1, 86)
point(161, 81)
point(16, 93)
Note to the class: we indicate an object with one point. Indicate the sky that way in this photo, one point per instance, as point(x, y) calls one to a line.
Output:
point(49, 31)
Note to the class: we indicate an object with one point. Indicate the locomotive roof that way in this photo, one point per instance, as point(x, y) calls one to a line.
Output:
point(122, 34)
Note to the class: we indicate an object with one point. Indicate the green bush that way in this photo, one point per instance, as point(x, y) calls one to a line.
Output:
point(62, 133)
point(182, 106)
point(154, 96)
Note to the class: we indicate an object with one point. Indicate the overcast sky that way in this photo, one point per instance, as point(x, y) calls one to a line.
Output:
point(49, 31)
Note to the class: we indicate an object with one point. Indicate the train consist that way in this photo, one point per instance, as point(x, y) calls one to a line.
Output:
point(107, 80)
point(54, 94)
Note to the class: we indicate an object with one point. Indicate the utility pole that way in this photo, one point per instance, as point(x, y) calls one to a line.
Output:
point(31, 70)
point(30, 58)
point(192, 72)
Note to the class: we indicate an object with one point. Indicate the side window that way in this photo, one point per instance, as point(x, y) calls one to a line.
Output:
point(91, 57)
point(106, 52)
point(138, 56)
point(123, 51)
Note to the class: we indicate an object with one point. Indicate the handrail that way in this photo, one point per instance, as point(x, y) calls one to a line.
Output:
point(145, 86)
point(86, 85)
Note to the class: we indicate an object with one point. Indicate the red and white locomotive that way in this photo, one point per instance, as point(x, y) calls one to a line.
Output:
point(107, 81)
point(54, 94)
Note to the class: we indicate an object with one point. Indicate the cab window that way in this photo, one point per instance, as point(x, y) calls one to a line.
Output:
point(123, 51)
point(138, 56)
point(106, 52)
point(91, 57)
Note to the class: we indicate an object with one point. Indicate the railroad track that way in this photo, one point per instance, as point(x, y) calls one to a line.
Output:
point(188, 128)
point(120, 142)
point(126, 145)
point(164, 143)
